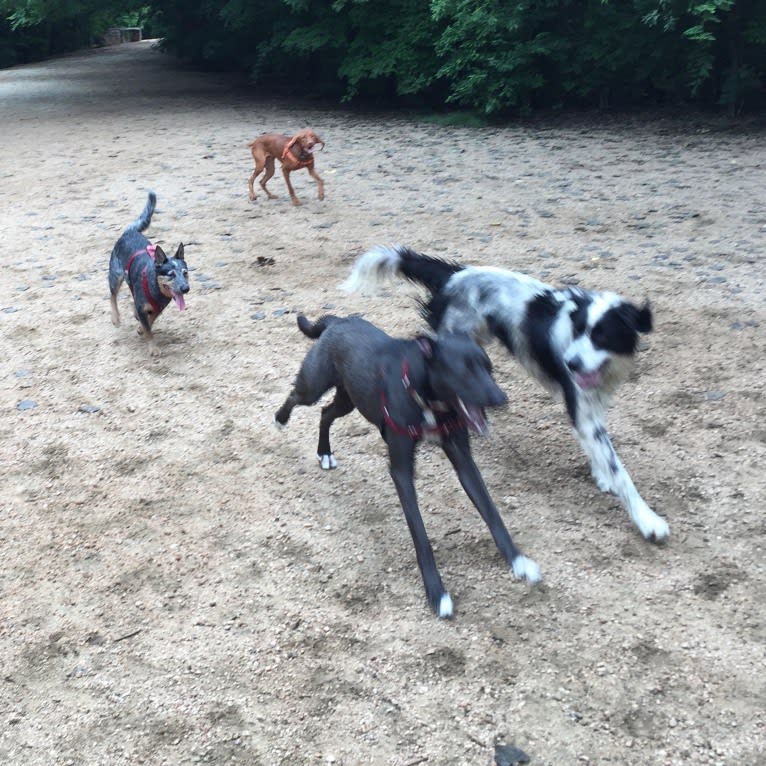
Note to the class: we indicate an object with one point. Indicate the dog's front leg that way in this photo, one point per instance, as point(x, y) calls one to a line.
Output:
point(610, 476)
point(320, 182)
point(145, 316)
point(286, 173)
point(402, 455)
point(458, 450)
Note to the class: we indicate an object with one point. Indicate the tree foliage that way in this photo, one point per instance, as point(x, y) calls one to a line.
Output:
point(491, 56)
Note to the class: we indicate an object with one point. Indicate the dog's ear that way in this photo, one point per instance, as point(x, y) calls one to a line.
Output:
point(644, 318)
point(180, 252)
point(159, 255)
point(638, 319)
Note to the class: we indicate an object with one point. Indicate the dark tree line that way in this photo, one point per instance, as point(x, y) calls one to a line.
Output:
point(495, 57)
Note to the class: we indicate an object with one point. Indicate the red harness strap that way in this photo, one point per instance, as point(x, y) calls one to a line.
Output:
point(299, 162)
point(148, 250)
point(430, 427)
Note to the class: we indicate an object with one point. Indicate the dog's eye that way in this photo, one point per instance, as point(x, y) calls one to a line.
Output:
point(597, 336)
point(185, 273)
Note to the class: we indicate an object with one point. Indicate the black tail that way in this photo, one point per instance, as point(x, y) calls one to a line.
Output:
point(433, 273)
point(314, 329)
point(143, 221)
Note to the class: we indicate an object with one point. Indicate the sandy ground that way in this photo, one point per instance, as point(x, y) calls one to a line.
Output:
point(181, 584)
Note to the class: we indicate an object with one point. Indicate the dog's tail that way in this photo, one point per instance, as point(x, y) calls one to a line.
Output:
point(314, 329)
point(382, 263)
point(143, 221)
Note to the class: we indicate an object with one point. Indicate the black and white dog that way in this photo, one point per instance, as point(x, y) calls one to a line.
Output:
point(577, 342)
point(426, 388)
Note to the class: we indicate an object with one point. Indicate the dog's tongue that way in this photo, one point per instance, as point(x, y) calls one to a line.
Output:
point(474, 418)
point(179, 299)
point(588, 379)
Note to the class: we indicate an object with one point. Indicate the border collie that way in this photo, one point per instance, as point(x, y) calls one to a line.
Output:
point(577, 342)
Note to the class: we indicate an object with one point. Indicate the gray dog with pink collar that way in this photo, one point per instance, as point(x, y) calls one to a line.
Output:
point(426, 388)
point(154, 279)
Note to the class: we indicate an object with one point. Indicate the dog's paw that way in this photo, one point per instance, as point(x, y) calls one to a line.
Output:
point(327, 462)
point(279, 426)
point(445, 607)
point(526, 569)
point(651, 526)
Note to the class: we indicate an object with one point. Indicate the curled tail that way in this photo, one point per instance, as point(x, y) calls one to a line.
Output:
point(382, 263)
point(314, 329)
point(143, 221)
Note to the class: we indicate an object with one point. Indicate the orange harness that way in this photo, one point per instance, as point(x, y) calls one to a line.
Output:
point(300, 163)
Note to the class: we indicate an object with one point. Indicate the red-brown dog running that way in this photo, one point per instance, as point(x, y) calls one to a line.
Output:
point(294, 153)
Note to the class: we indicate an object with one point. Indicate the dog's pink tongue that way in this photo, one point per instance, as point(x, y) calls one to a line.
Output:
point(179, 299)
point(588, 379)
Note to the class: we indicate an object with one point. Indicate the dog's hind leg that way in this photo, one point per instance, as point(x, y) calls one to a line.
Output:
point(610, 476)
point(341, 405)
point(116, 278)
point(115, 307)
point(402, 456)
point(458, 450)
point(315, 377)
point(267, 176)
point(251, 181)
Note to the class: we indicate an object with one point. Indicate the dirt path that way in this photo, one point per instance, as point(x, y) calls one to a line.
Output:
point(180, 583)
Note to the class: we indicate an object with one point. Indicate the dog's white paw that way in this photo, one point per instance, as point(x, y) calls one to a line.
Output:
point(445, 606)
point(651, 526)
point(327, 462)
point(525, 568)
point(279, 426)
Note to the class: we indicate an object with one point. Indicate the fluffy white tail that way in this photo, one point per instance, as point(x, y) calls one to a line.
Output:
point(373, 269)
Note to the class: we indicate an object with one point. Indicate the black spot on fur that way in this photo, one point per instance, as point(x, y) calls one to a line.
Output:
point(433, 310)
point(542, 312)
point(579, 316)
point(500, 331)
point(432, 273)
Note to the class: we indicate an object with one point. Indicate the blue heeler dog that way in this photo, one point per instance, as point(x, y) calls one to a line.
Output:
point(153, 278)
point(426, 388)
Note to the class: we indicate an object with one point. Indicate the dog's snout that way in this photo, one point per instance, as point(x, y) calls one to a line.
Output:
point(497, 397)
point(185, 289)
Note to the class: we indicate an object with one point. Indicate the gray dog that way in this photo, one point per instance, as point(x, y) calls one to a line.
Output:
point(411, 390)
point(154, 278)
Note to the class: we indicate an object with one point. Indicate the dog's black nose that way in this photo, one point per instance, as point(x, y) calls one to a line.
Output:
point(185, 289)
point(575, 364)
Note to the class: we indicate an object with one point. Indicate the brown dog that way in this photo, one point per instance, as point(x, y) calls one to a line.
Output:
point(294, 153)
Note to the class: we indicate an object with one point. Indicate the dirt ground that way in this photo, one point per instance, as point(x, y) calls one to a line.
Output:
point(181, 584)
